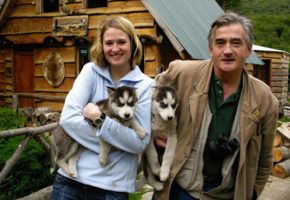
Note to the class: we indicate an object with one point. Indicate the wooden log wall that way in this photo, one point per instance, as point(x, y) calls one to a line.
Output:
point(279, 73)
point(6, 79)
point(41, 86)
point(26, 25)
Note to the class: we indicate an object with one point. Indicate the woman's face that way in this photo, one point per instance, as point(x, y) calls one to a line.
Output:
point(117, 48)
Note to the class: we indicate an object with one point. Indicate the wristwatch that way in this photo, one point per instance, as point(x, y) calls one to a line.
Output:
point(98, 122)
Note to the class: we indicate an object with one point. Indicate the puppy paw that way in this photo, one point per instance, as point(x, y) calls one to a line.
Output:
point(73, 174)
point(158, 186)
point(141, 133)
point(102, 161)
point(164, 175)
point(156, 171)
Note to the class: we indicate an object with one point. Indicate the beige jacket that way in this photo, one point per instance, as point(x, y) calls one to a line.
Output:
point(258, 118)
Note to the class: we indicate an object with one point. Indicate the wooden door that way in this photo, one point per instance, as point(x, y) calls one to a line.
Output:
point(24, 76)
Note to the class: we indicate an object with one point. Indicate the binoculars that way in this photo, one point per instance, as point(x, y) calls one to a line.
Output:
point(222, 147)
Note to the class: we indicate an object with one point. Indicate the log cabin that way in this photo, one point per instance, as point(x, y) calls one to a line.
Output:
point(37, 34)
point(274, 72)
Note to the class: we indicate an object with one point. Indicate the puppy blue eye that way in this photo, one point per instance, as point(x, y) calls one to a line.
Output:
point(163, 105)
point(131, 104)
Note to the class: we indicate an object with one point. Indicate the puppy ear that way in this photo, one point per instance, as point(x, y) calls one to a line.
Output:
point(163, 79)
point(111, 91)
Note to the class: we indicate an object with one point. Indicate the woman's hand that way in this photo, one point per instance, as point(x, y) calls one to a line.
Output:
point(91, 111)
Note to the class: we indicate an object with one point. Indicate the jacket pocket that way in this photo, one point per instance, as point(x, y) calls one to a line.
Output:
point(187, 171)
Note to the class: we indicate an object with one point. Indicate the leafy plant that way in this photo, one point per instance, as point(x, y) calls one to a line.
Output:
point(31, 171)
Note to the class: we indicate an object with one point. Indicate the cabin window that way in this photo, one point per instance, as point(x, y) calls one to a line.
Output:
point(96, 3)
point(50, 6)
point(83, 57)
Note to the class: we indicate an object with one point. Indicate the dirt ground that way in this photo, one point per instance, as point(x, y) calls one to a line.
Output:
point(275, 189)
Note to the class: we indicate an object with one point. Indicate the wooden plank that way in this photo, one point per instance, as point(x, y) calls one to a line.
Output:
point(139, 20)
point(24, 2)
point(53, 93)
point(23, 10)
point(140, 31)
point(27, 25)
point(271, 54)
point(116, 7)
point(30, 10)
point(150, 68)
point(8, 54)
point(67, 54)
point(41, 85)
point(29, 38)
point(54, 106)
point(150, 52)
point(2, 57)
point(70, 70)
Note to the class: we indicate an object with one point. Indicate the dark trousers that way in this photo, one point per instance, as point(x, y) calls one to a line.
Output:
point(68, 189)
point(178, 193)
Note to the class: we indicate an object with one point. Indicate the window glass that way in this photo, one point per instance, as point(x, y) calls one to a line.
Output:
point(96, 3)
point(50, 5)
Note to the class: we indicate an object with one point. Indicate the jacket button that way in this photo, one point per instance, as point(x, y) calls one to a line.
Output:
point(185, 155)
point(171, 175)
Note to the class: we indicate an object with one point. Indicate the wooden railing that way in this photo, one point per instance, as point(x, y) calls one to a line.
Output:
point(29, 134)
point(15, 97)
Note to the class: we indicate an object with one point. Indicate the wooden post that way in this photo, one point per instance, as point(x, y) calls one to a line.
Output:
point(15, 101)
point(10, 163)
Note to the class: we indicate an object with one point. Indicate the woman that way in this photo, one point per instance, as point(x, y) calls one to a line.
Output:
point(115, 55)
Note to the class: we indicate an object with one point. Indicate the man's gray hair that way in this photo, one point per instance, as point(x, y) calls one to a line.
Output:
point(232, 18)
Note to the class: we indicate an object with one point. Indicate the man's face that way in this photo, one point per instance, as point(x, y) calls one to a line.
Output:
point(229, 49)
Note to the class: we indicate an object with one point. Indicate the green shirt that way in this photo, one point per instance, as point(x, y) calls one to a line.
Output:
point(223, 115)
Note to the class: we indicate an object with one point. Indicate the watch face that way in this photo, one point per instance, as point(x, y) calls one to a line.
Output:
point(99, 122)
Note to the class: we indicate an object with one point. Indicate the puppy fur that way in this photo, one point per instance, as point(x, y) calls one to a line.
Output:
point(120, 106)
point(164, 104)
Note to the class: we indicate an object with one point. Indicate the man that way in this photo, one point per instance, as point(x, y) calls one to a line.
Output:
point(225, 142)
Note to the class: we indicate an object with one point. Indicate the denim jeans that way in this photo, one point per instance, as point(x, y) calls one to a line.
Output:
point(177, 193)
point(68, 189)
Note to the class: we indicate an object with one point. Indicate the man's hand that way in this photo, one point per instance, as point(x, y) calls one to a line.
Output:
point(160, 141)
point(91, 111)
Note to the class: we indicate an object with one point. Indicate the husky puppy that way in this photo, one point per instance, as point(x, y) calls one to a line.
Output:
point(120, 105)
point(164, 104)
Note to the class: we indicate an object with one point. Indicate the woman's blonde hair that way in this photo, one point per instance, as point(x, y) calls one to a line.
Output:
point(121, 23)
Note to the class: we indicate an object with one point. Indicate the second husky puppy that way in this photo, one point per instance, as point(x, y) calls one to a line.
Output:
point(164, 104)
point(120, 105)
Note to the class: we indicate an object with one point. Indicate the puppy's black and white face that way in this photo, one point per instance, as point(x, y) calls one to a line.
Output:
point(123, 101)
point(165, 102)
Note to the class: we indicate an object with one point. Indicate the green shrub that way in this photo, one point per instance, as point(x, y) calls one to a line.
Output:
point(31, 171)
